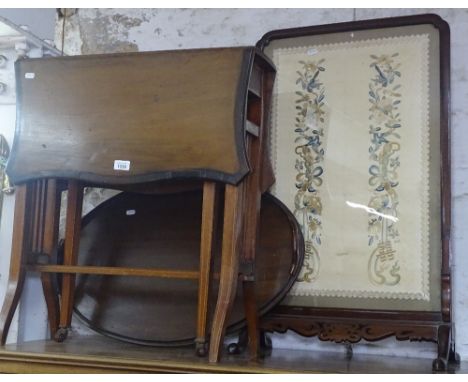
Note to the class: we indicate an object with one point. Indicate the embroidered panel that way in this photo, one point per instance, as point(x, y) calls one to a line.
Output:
point(351, 151)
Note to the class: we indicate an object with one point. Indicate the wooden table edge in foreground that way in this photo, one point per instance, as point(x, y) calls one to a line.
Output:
point(93, 354)
point(26, 362)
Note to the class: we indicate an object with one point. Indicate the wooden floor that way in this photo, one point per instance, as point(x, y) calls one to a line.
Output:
point(96, 354)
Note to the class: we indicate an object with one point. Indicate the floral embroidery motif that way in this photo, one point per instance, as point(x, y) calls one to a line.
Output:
point(309, 128)
point(385, 123)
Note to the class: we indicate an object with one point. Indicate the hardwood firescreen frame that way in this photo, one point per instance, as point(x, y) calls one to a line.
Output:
point(343, 317)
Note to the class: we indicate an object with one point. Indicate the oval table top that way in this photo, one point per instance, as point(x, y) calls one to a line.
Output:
point(163, 231)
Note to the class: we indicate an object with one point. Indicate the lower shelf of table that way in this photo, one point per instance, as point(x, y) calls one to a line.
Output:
point(96, 354)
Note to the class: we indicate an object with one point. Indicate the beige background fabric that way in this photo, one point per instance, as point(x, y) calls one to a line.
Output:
point(344, 251)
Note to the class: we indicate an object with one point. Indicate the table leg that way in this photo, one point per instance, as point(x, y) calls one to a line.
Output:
point(229, 267)
point(50, 242)
point(18, 249)
point(251, 315)
point(71, 246)
point(206, 251)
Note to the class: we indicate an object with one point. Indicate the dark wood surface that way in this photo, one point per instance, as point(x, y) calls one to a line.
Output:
point(348, 325)
point(91, 354)
point(164, 233)
point(175, 114)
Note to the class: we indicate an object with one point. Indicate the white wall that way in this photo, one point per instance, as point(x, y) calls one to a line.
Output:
point(39, 21)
